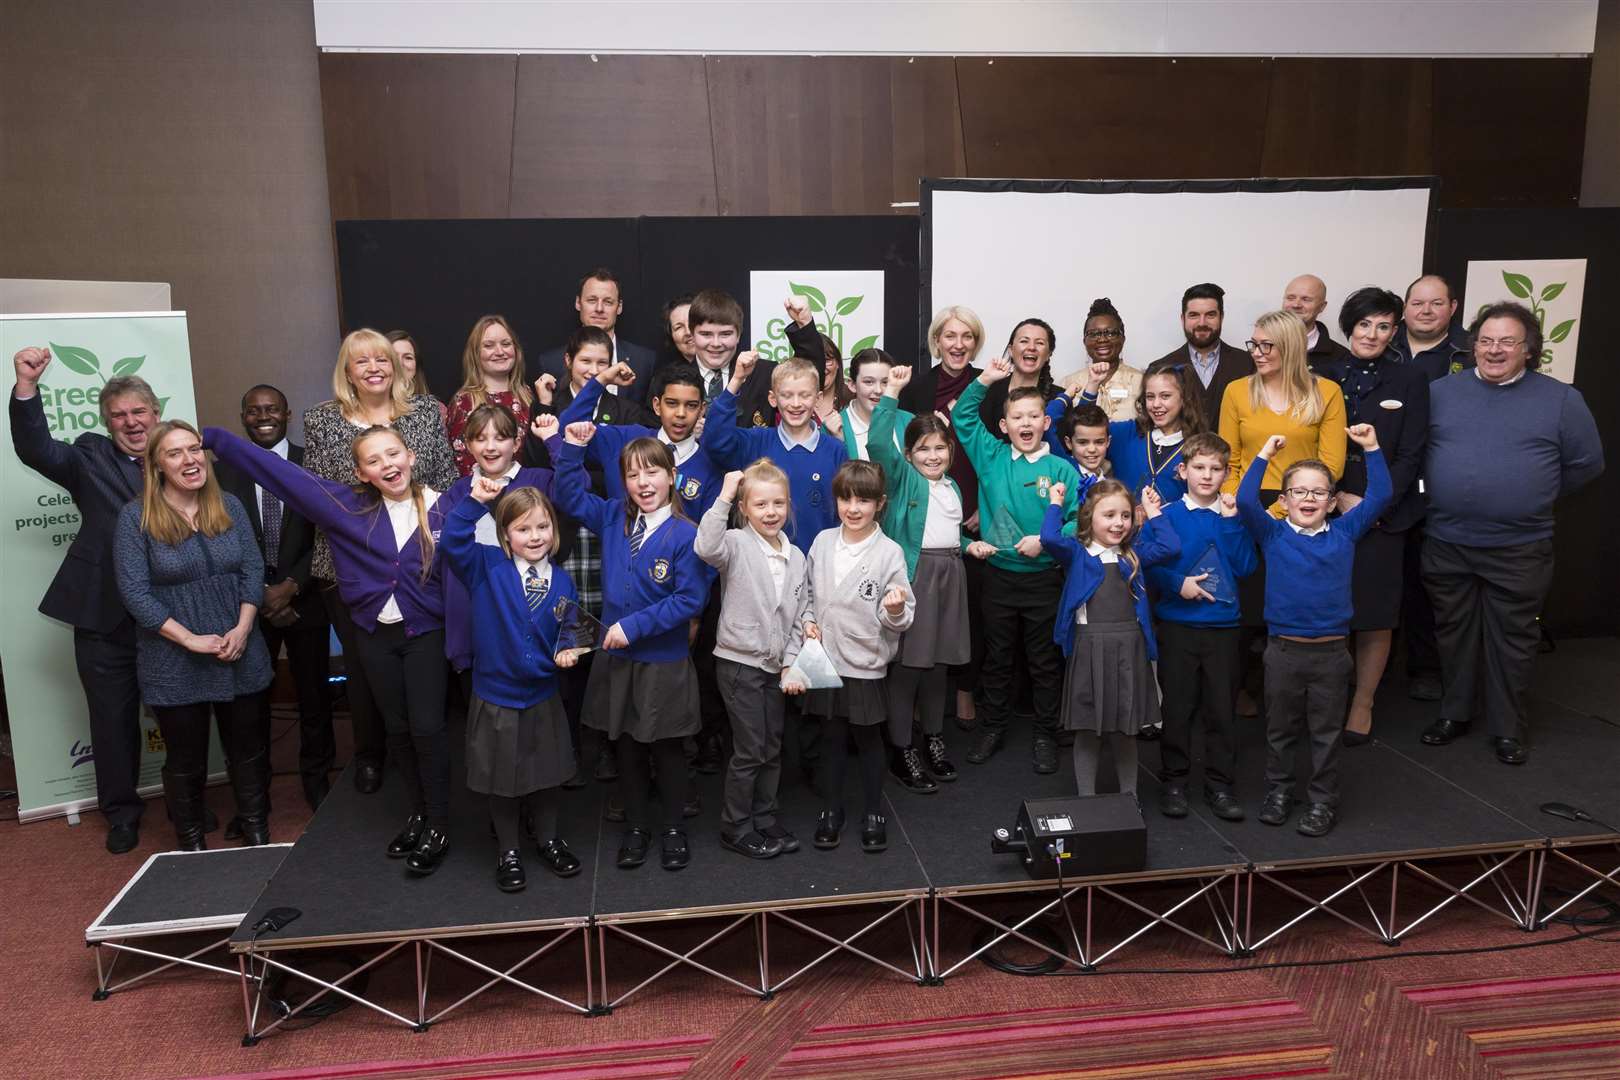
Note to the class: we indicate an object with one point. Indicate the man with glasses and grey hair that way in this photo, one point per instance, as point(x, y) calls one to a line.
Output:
point(1505, 442)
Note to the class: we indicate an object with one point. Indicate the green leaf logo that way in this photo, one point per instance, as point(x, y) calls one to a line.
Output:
point(1561, 331)
point(129, 365)
point(75, 359)
point(1517, 284)
point(867, 342)
point(817, 298)
point(1551, 292)
point(163, 403)
point(848, 304)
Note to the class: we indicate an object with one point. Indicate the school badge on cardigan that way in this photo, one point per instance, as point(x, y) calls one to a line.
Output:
point(1043, 486)
point(690, 489)
point(759, 419)
point(660, 570)
point(868, 589)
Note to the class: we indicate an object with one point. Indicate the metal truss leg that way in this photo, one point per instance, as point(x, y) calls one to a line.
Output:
point(1516, 909)
point(106, 987)
point(255, 1033)
point(1313, 905)
point(918, 970)
point(676, 960)
point(503, 976)
point(1612, 877)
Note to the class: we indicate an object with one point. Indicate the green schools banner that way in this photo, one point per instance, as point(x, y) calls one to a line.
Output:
point(50, 729)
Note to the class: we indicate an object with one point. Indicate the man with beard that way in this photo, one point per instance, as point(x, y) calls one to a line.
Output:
point(600, 305)
point(292, 614)
point(1306, 296)
point(102, 474)
point(1216, 363)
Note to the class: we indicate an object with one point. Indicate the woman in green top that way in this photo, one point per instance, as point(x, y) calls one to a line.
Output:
point(869, 373)
point(924, 516)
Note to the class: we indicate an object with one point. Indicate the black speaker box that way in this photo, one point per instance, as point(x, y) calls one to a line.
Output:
point(1100, 834)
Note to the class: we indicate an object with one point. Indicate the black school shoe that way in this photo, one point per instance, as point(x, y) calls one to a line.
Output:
point(1224, 804)
point(874, 834)
point(633, 848)
point(1318, 820)
point(1045, 756)
point(429, 853)
point(1276, 808)
point(1173, 800)
point(938, 763)
point(984, 746)
point(122, 838)
point(555, 854)
point(509, 875)
point(411, 835)
point(752, 844)
point(677, 852)
point(789, 842)
point(907, 769)
point(828, 828)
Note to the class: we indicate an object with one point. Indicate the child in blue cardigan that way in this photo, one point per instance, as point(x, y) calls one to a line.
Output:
point(642, 690)
point(383, 548)
point(1147, 450)
point(1308, 566)
point(518, 748)
point(1104, 626)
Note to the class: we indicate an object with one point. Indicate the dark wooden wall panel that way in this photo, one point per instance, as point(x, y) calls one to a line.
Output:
point(1510, 132)
point(625, 135)
point(418, 136)
point(1351, 117)
point(1083, 119)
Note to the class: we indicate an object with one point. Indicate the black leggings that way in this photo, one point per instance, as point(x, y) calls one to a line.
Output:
point(835, 732)
point(370, 736)
point(920, 692)
point(408, 680)
point(542, 806)
point(635, 777)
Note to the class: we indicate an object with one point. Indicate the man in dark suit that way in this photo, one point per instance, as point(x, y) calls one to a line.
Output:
point(1306, 296)
point(599, 304)
point(102, 474)
point(291, 614)
point(1217, 364)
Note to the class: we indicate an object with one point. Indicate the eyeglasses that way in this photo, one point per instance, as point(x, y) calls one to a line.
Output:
point(1507, 344)
point(1103, 335)
point(1314, 494)
point(1262, 347)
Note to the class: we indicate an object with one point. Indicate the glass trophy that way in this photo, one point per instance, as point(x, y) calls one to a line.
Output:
point(814, 668)
point(1218, 583)
point(577, 628)
point(1003, 531)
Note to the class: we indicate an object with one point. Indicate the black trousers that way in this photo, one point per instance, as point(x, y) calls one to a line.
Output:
point(1200, 669)
point(754, 773)
point(370, 736)
point(1486, 601)
point(106, 664)
point(308, 659)
point(409, 677)
point(1020, 609)
point(1417, 610)
point(1307, 687)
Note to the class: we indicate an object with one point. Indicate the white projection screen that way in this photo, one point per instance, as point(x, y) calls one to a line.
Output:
point(1011, 249)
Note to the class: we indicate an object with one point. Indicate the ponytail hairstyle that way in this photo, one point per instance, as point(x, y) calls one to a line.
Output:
point(424, 535)
point(763, 471)
point(1099, 491)
point(516, 502)
point(163, 522)
point(641, 453)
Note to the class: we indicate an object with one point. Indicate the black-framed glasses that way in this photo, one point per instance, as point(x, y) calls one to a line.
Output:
point(1507, 344)
point(1103, 335)
point(1314, 494)
point(1262, 347)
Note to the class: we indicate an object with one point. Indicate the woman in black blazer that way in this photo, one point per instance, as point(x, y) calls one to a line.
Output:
point(1394, 399)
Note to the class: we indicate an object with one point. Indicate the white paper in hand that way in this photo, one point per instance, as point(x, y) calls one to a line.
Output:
point(815, 668)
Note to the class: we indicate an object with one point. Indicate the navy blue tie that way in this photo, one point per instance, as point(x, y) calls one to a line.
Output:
point(637, 535)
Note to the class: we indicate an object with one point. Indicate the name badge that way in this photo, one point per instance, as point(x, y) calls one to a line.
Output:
point(1117, 392)
point(1389, 403)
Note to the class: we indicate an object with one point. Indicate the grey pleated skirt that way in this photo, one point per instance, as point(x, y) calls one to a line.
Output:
point(862, 701)
point(939, 628)
point(1109, 686)
point(647, 701)
point(512, 752)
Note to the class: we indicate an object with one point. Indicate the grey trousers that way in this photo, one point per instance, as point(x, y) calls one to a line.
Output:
point(1307, 687)
point(754, 702)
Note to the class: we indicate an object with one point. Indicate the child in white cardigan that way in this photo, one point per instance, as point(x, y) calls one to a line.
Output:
point(861, 602)
point(766, 601)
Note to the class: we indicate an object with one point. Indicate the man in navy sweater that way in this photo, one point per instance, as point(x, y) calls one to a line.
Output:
point(1488, 557)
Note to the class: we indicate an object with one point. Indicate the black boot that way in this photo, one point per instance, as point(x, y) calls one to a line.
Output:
point(907, 768)
point(183, 793)
point(938, 763)
point(251, 781)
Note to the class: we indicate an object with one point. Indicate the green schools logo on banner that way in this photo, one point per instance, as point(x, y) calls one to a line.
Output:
point(847, 306)
point(74, 409)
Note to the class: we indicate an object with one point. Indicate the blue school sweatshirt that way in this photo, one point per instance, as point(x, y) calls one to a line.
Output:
point(1128, 453)
point(1308, 577)
point(513, 649)
point(1197, 530)
point(809, 471)
point(458, 607)
point(652, 595)
point(697, 479)
point(1083, 573)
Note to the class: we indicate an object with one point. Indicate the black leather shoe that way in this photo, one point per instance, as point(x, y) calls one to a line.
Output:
point(710, 756)
point(789, 842)
point(233, 829)
point(1423, 688)
point(874, 834)
point(367, 777)
point(123, 838)
point(938, 763)
point(1276, 808)
point(255, 832)
point(828, 828)
point(693, 806)
point(1352, 739)
point(985, 746)
point(1173, 800)
point(1149, 734)
point(411, 835)
point(509, 875)
point(614, 811)
point(607, 769)
point(1511, 751)
point(907, 769)
point(677, 852)
point(316, 790)
point(1045, 755)
point(1442, 732)
point(633, 848)
point(430, 852)
point(555, 854)
point(1317, 821)
point(752, 845)
point(967, 723)
point(1224, 804)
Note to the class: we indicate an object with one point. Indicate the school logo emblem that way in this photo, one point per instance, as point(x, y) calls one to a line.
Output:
point(868, 589)
point(1043, 486)
point(759, 419)
point(660, 570)
point(690, 489)
point(1456, 366)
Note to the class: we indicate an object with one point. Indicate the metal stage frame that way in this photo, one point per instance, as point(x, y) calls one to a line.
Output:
point(1558, 853)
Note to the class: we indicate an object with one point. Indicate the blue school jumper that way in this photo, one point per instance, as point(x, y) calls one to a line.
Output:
point(809, 469)
point(1083, 572)
point(1197, 530)
point(514, 648)
point(652, 595)
point(697, 479)
point(458, 608)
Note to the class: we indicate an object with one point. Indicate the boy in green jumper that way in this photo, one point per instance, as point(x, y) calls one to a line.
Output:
point(1023, 584)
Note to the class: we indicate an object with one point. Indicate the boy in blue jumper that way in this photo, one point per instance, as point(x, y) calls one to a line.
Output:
point(1308, 566)
point(1200, 639)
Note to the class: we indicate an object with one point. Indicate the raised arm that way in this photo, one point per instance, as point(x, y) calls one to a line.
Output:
point(59, 462)
point(459, 542)
point(1063, 548)
point(1365, 513)
point(571, 485)
point(978, 444)
point(324, 502)
point(710, 544)
point(1158, 543)
point(880, 445)
point(1254, 516)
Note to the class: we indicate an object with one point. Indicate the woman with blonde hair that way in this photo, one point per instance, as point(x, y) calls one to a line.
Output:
point(369, 388)
point(491, 374)
point(191, 574)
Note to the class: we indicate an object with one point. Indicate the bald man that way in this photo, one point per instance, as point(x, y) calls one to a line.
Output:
point(1306, 296)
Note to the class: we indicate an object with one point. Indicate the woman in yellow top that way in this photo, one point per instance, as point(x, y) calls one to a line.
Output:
point(1282, 397)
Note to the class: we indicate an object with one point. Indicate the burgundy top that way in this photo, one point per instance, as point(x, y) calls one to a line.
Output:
point(461, 407)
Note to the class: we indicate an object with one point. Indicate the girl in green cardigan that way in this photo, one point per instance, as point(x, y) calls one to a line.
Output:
point(924, 516)
point(869, 373)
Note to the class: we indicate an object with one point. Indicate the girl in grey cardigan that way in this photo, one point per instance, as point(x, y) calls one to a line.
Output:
point(861, 603)
point(765, 604)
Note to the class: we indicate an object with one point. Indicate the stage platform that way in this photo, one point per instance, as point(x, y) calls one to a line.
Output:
point(1421, 828)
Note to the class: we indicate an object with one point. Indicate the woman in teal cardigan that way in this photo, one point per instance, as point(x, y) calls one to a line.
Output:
point(923, 516)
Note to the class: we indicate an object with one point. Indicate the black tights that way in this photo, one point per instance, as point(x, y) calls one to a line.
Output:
point(835, 733)
point(635, 777)
point(918, 692)
point(542, 806)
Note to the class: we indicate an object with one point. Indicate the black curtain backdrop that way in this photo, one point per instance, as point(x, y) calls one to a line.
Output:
point(436, 278)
